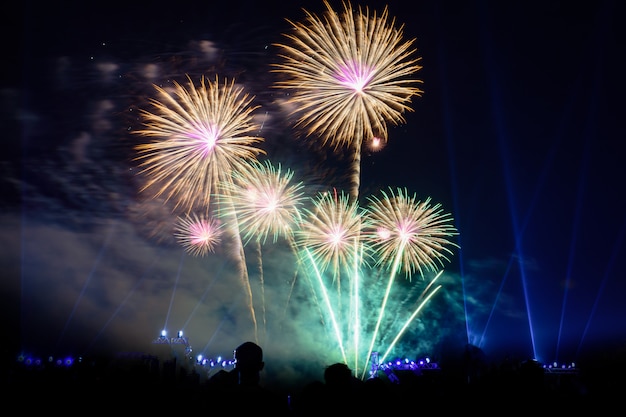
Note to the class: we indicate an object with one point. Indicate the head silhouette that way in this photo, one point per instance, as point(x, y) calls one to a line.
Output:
point(338, 376)
point(249, 362)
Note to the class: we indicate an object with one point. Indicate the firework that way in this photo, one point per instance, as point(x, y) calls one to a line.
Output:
point(265, 201)
point(408, 235)
point(375, 144)
point(201, 134)
point(329, 239)
point(198, 235)
point(348, 75)
point(405, 235)
point(331, 231)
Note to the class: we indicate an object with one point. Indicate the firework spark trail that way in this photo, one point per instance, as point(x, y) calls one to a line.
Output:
point(410, 319)
point(349, 74)
point(396, 227)
point(262, 285)
point(246, 283)
point(329, 232)
point(355, 305)
point(410, 232)
point(294, 249)
point(265, 201)
point(300, 262)
point(383, 305)
point(201, 134)
point(329, 307)
point(355, 177)
point(352, 323)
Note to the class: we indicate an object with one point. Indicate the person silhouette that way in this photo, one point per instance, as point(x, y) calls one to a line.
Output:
point(249, 364)
point(242, 388)
point(342, 388)
point(337, 393)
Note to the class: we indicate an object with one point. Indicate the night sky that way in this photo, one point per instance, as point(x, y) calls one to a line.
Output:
point(519, 135)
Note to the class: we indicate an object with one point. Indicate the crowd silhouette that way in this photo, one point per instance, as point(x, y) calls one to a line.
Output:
point(241, 387)
point(138, 380)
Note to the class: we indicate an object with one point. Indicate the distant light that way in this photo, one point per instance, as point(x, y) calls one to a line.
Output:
point(180, 333)
point(163, 333)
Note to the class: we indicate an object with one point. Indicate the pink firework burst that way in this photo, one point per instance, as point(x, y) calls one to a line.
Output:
point(200, 134)
point(349, 74)
point(331, 230)
point(266, 201)
point(198, 235)
point(407, 234)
